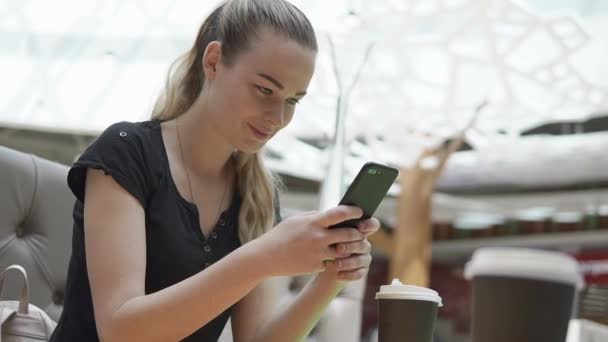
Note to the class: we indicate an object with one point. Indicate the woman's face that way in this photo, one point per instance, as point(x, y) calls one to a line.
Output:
point(256, 96)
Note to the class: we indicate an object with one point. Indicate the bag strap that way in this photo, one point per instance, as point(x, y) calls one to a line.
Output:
point(24, 301)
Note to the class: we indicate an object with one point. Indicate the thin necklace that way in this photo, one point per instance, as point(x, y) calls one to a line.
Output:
point(181, 153)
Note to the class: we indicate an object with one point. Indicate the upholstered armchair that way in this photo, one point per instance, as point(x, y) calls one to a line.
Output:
point(35, 226)
point(36, 232)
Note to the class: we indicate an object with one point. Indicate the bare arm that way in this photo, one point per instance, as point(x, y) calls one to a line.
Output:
point(116, 261)
point(256, 317)
point(254, 309)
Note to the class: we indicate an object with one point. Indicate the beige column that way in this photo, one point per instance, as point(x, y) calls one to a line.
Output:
point(410, 245)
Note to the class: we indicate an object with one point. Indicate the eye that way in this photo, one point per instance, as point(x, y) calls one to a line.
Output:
point(293, 102)
point(264, 90)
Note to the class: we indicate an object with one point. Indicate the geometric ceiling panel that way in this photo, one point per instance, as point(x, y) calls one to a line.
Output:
point(429, 64)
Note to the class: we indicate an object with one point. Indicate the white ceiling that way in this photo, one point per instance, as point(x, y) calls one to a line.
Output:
point(82, 65)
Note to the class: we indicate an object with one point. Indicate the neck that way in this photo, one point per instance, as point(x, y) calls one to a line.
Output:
point(205, 151)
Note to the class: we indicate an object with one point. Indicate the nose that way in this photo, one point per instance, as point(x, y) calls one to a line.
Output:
point(276, 115)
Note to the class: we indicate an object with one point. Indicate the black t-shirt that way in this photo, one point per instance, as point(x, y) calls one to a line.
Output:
point(133, 154)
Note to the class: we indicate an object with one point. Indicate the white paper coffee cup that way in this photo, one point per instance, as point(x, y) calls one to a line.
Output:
point(406, 313)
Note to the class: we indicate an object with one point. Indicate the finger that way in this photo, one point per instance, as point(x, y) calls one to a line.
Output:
point(331, 253)
point(338, 214)
point(354, 247)
point(353, 275)
point(338, 235)
point(369, 226)
point(353, 262)
point(326, 264)
point(330, 265)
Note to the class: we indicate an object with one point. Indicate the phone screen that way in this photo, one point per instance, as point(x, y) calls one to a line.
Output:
point(368, 189)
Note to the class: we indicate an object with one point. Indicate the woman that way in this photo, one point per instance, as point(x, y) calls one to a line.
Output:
point(172, 223)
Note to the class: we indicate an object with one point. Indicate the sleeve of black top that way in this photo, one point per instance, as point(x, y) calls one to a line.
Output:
point(119, 152)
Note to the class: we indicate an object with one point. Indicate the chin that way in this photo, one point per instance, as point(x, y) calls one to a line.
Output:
point(250, 148)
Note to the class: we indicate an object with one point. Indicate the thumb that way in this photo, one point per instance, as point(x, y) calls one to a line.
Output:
point(308, 213)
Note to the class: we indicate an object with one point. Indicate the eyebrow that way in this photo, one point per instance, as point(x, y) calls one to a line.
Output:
point(277, 83)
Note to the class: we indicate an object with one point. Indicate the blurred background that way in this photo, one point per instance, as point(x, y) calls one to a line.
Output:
point(496, 112)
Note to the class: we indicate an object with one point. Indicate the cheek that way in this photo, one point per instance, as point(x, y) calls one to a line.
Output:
point(289, 112)
point(236, 104)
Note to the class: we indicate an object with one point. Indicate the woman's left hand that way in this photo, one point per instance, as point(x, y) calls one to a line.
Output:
point(355, 256)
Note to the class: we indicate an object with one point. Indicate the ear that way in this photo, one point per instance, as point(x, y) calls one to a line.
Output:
point(212, 59)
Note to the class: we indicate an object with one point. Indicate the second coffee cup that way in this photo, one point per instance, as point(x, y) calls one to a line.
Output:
point(522, 295)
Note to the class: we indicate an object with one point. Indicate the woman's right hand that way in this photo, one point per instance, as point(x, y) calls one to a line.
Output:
point(302, 243)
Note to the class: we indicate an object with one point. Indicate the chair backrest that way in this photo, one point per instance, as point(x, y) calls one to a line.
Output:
point(35, 226)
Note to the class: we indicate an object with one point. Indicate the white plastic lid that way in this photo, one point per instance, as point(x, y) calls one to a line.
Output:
point(525, 263)
point(397, 290)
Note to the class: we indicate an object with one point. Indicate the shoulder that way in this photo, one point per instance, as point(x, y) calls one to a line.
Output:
point(135, 127)
point(129, 132)
point(128, 151)
point(136, 139)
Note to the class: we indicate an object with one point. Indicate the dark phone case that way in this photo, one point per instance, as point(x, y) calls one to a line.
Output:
point(367, 191)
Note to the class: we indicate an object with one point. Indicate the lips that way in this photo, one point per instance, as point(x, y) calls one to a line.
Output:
point(259, 133)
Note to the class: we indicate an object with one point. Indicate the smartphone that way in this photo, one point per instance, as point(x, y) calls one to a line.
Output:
point(367, 190)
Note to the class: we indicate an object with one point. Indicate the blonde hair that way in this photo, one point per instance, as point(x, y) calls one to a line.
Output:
point(235, 23)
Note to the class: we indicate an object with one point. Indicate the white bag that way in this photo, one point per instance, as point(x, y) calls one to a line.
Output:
point(20, 321)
